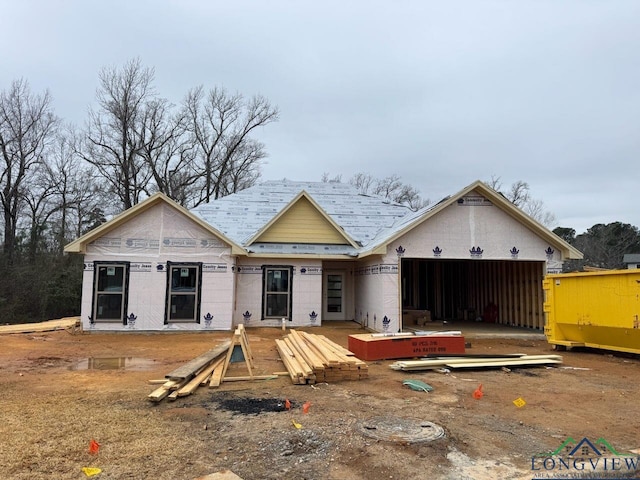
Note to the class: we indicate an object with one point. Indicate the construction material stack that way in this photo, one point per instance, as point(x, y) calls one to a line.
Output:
point(385, 346)
point(313, 358)
point(210, 369)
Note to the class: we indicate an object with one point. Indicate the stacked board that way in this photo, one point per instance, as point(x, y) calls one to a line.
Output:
point(313, 358)
point(188, 377)
point(477, 361)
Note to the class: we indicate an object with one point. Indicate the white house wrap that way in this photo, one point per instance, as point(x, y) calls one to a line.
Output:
point(310, 253)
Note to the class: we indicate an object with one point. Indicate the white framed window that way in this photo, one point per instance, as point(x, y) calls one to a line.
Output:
point(184, 283)
point(110, 291)
point(276, 292)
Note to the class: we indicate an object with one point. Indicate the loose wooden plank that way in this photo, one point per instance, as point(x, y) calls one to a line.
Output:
point(195, 382)
point(216, 376)
point(66, 323)
point(427, 364)
point(506, 363)
point(245, 343)
point(189, 369)
point(165, 390)
point(247, 377)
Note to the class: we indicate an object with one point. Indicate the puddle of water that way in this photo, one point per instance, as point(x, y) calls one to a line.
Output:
point(113, 363)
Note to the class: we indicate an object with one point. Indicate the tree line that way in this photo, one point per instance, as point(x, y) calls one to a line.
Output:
point(603, 245)
point(58, 180)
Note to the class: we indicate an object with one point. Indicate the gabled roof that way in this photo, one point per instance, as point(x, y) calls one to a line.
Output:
point(332, 232)
point(80, 244)
point(412, 220)
point(243, 215)
point(253, 220)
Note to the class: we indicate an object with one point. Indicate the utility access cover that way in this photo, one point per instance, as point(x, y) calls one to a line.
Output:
point(403, 430)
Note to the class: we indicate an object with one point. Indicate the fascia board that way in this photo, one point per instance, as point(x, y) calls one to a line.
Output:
point(300, 256)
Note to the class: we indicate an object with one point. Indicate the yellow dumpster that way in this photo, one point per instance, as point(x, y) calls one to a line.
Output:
point(593, 309)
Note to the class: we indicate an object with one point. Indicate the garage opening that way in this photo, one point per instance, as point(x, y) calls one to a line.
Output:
point(495, 291)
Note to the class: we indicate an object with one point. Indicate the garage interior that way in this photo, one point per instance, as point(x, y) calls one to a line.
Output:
point(506, 292)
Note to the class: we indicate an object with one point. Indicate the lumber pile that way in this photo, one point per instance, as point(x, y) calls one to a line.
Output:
point(210, 369)
point(187, 378)
point(313, 358)
point(476, 361)
point(72, 324)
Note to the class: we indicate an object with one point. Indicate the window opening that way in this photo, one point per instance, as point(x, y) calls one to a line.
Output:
point(184, 292)
point(277, 292)
point(111, 284)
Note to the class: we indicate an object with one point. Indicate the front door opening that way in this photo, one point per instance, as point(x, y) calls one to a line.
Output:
point(334, 308)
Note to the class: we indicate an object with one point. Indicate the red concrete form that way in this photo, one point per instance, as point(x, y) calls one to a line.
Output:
point(379, 347)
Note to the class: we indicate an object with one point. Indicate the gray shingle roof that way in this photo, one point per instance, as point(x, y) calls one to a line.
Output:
point(631, 258)
point(366, 219)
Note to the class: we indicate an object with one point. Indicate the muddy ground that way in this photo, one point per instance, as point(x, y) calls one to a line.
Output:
point(62, 390)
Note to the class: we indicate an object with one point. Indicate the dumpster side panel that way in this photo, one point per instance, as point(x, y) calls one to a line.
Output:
point(594, 309)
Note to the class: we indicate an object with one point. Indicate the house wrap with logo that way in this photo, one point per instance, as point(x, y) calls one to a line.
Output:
point(311, 253)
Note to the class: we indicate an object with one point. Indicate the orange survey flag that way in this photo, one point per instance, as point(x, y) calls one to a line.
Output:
point(305, 407)
point(477, 394)
point(94, 446)
point(287, 404)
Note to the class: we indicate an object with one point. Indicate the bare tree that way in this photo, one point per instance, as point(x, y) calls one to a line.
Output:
point(536, 209)
point(168, 155)
point(220, 125)
point(390, 188)
point(113, 137)
point(326, 178)
point(520, 196)
point(40, 202)
point(75, 186)
point(244, 168)
point(27, 126)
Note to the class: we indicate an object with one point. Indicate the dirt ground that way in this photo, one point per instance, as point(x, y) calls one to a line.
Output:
point(62, 390)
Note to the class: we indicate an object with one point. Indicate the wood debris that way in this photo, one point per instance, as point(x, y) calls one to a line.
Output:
point(72, 324)
point(476, 361)
point(313, 358)
point(208, 369)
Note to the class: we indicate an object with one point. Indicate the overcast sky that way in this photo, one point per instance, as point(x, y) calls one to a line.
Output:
point(441, 93)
